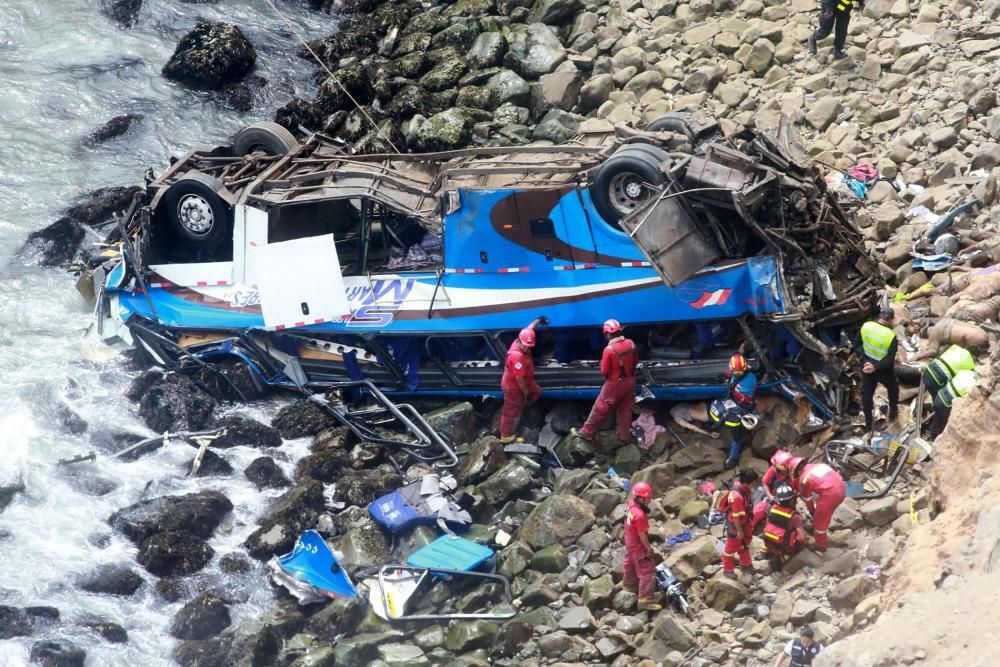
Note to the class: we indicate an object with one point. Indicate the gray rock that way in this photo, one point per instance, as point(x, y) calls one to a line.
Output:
point(848, 593)
point(690, 559)
point(57, 653)
point(781, 608)
point(557, 126)
point(174, 552)
point(986, 157)
point(470, 635)
point(944, 137)
point(804, 611)
point(673, 633)
point(513, 637)
point(558, 90)
point(448, 130)
point(558, 519)
point(363, 544)
point(982, 102)
point(402, 655)
point(759, 57)
point(509, 87)
point(604, 501)
point(823, 112)
point(659, 476)
point(485, 457)
point(724, 594)
point(596, 91)
point(294, 512)
point(123, 581)
point(456, 421)
point(552, 558)
point(553, 12)
point(514, 559)
point(597, 592)
point(429, 637)
point(361, 650)
point(880, 511)
point(677, 497)
point(510, 480)
point(537, 48)
point(993, 126)
point(445, 74)
point(487, 50)
point(577, 619)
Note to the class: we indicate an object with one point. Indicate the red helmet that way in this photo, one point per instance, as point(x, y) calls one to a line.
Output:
point(642, 489)
point(738, 363)
point(793, 464)
point(612, 327)
point(780, 459)
point(527, 337)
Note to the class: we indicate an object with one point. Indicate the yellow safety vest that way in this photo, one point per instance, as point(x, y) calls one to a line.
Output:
point(954, 359)
point(876, 339)
point(958, 386)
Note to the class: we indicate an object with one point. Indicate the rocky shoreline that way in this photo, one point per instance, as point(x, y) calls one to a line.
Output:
point(916, 99)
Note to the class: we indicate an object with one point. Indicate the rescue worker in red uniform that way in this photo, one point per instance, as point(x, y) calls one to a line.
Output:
point(823, 489)
point(518, 381)
point(736, 505)
point(784, 531)
point(780, 472)
point(618, 392)
point(640, 570)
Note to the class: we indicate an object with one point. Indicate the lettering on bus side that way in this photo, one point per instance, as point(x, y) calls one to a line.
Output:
point(377, 304)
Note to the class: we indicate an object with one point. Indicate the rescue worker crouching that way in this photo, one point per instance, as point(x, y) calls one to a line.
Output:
point(875, 347)
point(618, 364)
point(824, 490)
point(942, 369)
point(780, 472)
point(739, 529)
point(958, 386)
point(784, 532)
point(518, 381)
point(639, 575)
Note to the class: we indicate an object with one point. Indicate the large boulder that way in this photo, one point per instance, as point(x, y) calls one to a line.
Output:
point(246, 432)
point(456, 421)
point(14, 622)
point(510, 480)
point(175, 403)
point(660, 476)
point(116, 127)
point(557, 519)
point(123, 12)
point(535, 48)
point(301, 419)
point(363, 544)
point(174, 552)
point(296, 511)
point(848, 593)
point(689, 560)
point(57, 653)
point(485, 457)
point(264, 473)
point(553, 12)
point(508, 86)
point(55, 244)
point(361, 487)
point(724, 594)
point(112, 580)
point(487, 50)
point(449, 130)
point(470, 635)
point(211, 56)
point(101, 204)
point(205, 616)
point(197, 513)
point(557, 126)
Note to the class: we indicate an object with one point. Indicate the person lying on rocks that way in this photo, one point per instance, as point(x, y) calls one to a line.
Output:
point(948, 331)
point(689, 415)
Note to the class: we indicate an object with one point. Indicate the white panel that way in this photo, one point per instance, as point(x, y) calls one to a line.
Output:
point(299, 281)
point(249, 231)
point(202, 274)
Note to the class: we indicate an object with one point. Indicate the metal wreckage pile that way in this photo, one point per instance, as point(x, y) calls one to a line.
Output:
point(481, 533)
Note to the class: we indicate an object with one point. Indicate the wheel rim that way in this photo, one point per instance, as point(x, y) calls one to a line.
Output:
point(628, 191)
point(195, 215)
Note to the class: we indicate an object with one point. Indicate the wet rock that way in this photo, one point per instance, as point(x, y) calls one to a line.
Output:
point(557, 126)
point(202, 653)
point(198, 513)
point(57, 653)
point(100, 205)
point(244, 96)
point(402, 655)
point(301, 419)
point(364, 544)
point(245, 432)
point(558, 90)
point(264, 473)
point(339, 616)
point(175, 403)
point(14, 622)
point(174, 552)
point(550, 559)
point(574, 451)
point(448, 130)
point(553, 12)
point(604, 501)
point(724, 594)
point(112, 580)
point(880, 511)
point(55, 244)
point(506, 483)
point(212, 465)
point(211, 56)
point(512, 638)
point(507, 86)
point(457, 421)
point(116, 127)
point(299, 113)
point(253, 643)
point(484, 458)
point(678, 497)
point(535, 48)
point(8, 493)
point(123, 12)
point(470, 635)
point(234, 563)
point(557, 519)
point(514, 559)
point(445, 74)
point(487, 50)
point(659, 476)
point(326, 465)
point(205, 616)
point(848, 593)
point(43, 613)
point(111, 632)
point(296, 511)
point(690, 512)
point(361, 650)
point(597, 592)
point(361, 487)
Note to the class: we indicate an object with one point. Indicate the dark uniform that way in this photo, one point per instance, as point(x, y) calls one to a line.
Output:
point(877, 344)
point(834, 16)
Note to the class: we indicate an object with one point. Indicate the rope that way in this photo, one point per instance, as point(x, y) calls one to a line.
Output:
point(322, 64)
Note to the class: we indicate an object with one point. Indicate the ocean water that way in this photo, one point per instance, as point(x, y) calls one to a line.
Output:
point(65, 69)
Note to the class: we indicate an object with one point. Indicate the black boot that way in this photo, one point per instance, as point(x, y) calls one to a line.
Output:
point(838, 54)
point(812, 44)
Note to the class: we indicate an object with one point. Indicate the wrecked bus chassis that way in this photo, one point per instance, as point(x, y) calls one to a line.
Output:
point(414, 272)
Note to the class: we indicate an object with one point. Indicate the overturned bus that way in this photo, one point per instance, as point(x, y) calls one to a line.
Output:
point(415, 272)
